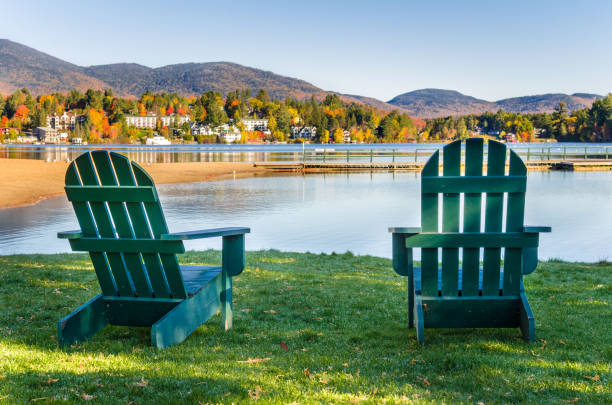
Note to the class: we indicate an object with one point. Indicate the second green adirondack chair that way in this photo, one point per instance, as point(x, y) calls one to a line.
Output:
point(457, 292)
point(134, 256)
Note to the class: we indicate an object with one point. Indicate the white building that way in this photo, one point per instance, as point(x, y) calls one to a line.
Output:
point(255, 124)
point(150, 120)
point(346, 136)
point(64, 122)
point(46, 134)
point(141, 121)
point(303, 132)
point(201, 129)
point(174, 119)
point(229, 134)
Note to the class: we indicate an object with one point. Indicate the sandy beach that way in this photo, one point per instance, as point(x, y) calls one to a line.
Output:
point(26, 181)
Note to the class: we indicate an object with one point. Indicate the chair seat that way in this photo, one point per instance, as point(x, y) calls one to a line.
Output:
point(196, 277)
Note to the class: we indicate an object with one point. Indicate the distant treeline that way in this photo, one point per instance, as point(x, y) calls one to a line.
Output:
point(592, 124)
point(104, 117)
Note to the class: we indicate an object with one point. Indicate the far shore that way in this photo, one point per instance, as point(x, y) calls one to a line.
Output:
point(27, 181)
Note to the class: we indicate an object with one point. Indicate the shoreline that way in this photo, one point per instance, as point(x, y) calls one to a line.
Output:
point(26, 182)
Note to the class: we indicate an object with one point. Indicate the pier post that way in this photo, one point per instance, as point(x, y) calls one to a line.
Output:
point(416, 155)
point(393, 159)
point(585, 153)
point(528, 153)
point(564, 152)
point(348, 153)
point(371, 155)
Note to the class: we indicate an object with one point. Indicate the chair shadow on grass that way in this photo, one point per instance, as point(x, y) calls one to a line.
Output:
point(326, 327)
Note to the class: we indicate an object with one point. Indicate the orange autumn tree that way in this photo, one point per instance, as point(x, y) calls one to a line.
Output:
point(21, 112)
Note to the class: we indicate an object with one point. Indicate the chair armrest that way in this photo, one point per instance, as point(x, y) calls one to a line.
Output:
point(76, 234)
point(405, 230)
point(536, 229)
point(402, 256)
point(207, 233)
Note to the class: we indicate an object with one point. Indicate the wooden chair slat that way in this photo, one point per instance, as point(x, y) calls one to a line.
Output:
point(515, 213)
point(451, 160)
point(474, 184)
point(496, 166)
point(429, 223)
point(101, 215)
point(152, 262)
point(110, 193)
point(489, 240)
point(472, 203)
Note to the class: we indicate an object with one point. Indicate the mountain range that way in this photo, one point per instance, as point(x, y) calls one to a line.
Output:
point(431, 103)
point(22, 66)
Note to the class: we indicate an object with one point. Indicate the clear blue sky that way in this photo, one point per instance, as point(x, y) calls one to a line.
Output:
point(487, 49)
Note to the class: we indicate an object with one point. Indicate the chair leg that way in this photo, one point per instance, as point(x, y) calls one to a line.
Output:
point(185, 318)
point(83, 323)
point(226, 300)
point(411, 301)
point(527, 319)
point(418, 314)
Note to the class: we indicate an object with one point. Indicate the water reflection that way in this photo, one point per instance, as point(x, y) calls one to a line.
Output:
point(335, 212)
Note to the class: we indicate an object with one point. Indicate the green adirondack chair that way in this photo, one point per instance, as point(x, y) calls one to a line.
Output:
point(458, 292)
point(134, 256)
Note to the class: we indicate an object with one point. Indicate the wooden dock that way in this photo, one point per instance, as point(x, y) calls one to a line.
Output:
point(316, 167)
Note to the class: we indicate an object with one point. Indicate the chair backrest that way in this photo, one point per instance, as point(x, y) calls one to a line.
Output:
point(497, 189)
point(121, 220)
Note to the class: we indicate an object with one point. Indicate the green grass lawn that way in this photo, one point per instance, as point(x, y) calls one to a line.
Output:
point(307, 329)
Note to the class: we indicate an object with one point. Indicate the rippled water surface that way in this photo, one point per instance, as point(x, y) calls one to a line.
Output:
point(335, 212)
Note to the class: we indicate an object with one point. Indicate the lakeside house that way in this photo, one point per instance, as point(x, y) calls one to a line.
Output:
point(255, 124)
point(303, 132)
point(202, 129)
point(157, 140)
point(47, 134)
point(150, 120)
point(65, 122)
point(229, 133)
point(346, 136)
point(5, 130)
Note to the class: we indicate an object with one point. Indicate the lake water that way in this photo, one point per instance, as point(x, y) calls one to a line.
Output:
point(336, 213)
point(295, 152)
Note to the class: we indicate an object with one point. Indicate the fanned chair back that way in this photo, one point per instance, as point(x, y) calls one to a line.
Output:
point(121, 220)
point(466, 194)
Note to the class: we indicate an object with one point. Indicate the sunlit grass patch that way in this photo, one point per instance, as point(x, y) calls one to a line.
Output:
point(308, 328)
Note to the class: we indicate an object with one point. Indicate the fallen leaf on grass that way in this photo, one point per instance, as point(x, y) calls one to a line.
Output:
point(141, 383)
point(256, 393)
point(87, 397)
point(247, 310)
point(284, 346)
point(425, 381)
point(571, 401)
point(270, 311)
point(307, 373)
point(51, 381)
point(375, 391)
point(255, 360)
point(594, 378)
